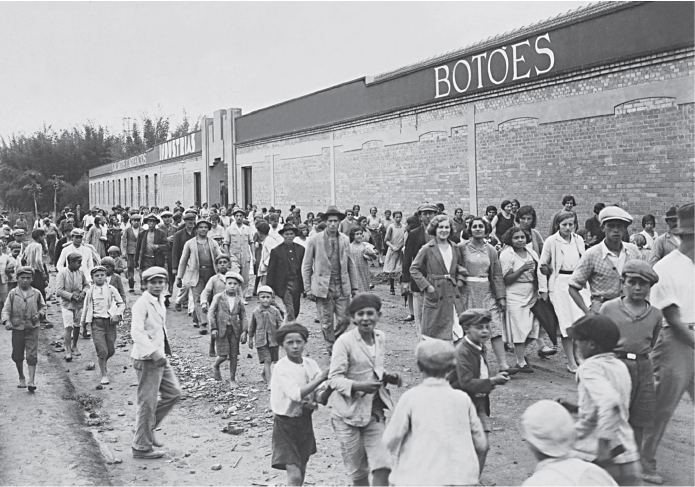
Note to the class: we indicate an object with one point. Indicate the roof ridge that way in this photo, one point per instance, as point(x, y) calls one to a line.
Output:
point(571, 14)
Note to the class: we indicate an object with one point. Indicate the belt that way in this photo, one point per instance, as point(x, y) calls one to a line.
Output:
point(205, 266)
point(569, 273)
point(632, 356)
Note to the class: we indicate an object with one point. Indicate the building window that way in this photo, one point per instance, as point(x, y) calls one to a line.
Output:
point(113, 193)
point(197, 188)
point(156, 191)
point(132, 200)
point(147, 191)
point(139, 192)
point(119, 192)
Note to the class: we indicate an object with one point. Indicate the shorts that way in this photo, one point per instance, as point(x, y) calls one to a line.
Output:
point(480, 408)
point(228, 345)
point(104, 337)
point(71, 317)
point(293, 440)
point(267, 354)
point(25, 341)
point(361, 447)
point(642, 393)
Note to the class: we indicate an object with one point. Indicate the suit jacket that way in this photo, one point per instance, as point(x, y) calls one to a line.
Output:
point(189, 267)
point(160, 243)
point(466, 376)
point(221, 318)
point(316, 266)
point(180, 239)
point(129, 241)
point(416, 239)
point(278, 268)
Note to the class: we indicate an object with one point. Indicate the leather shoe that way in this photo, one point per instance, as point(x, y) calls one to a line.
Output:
point(409, 318)
point(653, 478)
point(147, 455)
point(177, 306)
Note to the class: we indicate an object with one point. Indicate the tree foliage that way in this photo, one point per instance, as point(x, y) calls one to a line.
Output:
point(29, 161)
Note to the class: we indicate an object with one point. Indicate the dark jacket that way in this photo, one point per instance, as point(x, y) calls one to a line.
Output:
point(160, 243)
point(180, 239)
point(416, 239)
point(278, 268)
point(466, 377)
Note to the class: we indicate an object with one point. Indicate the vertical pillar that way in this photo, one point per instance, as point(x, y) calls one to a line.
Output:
point(272, 180)
point(332, 169)
point(472, 163)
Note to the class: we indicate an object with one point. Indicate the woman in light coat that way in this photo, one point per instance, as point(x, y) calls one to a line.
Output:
point(437, 269)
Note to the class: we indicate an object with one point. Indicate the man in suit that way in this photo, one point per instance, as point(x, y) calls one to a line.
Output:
point(416, 239)
point(180, 238)
point(238, 240)
point(285, 271)
point(169, 229)
point(129, 243)
point(197, 265)
point(151, 247)
point(330, 276)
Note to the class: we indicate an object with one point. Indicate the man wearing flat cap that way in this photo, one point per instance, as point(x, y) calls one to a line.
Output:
point(151, 247)
point(673, 356)
point(285, 271)
point(89, 254)
point(417, 238)
point(183, 235)
point(167, 226)
point(667, 242)
point(601, 266)
point(238, 239)
point(330, 276)
point(129, 243)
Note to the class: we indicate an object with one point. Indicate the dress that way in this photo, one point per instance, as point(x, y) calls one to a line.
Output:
point(362, 264)
point(503, 224)
point(566, 309)
point(393, 263)
point(521, 296)
point(479, 295)
point(94, 239)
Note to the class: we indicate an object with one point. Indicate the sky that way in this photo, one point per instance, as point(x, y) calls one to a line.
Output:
point(66, 64)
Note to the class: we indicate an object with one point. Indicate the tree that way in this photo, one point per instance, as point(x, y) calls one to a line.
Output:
point(34, 189)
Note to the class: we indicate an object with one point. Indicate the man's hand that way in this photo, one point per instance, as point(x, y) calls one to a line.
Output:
point(159, 359)
point(75, 297)
point(204, 306)
point(214, 334)
point(115, 319)
point(244, 335)
point(82, 295)
point(8, 326)
point(179, 284)
point(502, 304)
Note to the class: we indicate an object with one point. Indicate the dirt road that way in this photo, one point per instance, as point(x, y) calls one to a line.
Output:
point(61, 436)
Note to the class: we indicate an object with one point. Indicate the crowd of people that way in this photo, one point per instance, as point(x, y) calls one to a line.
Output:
point(621, 304)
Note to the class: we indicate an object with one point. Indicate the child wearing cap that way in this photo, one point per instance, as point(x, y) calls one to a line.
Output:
point(120, 265)
point(265, 321)
point(12, 264)
point(71, 288)
point(358, 377)
point(214, 286)
point(21, 314)
point(227, 318)
point(435, 431)
point(471, 373)
point(639, 324)
point(111, 277)
point(292, 400)
point(604, 435)
point(549, 433)
point(103, 307)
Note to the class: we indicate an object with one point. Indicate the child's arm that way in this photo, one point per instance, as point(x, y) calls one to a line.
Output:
point(398, 426)
point(41, 306)
point(212, 315)
point(205, 295)
point(6, 313)
point(244, 322)
point(340, 362)
point(85, 306)
point(120, 305)
point(252, 329)
point(60, 287)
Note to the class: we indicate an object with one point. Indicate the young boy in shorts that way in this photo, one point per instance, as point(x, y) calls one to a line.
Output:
point(604, 435)
point(292, 400)
point(265, 321)
point(435, 431)
point(112, 277)
point(471, 373)
point(23, 311)
point(120, 265)
point(215, 285)
point(639, 325)
point(103, 307)
point(227, 318)
point(71, 288)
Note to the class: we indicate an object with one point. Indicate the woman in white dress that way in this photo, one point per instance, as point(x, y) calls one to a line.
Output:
point(394, 241)
point(520, 270)
point(561, 254)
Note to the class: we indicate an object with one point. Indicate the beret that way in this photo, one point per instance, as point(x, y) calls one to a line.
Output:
point(234, 275)
point(153, 272)
point(25, 269)
point(293, 327)
point(435, 354)
point(641, 269)
point(265, 289)
point(364, 300)
point(614, 213)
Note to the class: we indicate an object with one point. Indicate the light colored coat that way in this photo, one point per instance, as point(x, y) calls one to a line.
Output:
point(239, 239)
point(148, 326)
point(189, 266)
point(552, 257)
point(113, 296)
point(316, 266)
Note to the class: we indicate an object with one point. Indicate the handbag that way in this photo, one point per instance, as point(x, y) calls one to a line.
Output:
point(545, 314)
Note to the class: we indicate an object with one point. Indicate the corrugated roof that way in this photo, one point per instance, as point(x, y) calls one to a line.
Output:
point(570, 16)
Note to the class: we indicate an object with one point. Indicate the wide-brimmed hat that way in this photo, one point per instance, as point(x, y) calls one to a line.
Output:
point(614, 213)
point(672, 213)
point(685, 220)
point(333, 211)
point(288, 227)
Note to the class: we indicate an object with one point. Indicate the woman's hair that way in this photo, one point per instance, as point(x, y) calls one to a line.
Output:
point(517, 202)
point(361, 219)
point(509, 234)
point(434, 223)
point(312, 215)
point(373, 208)
point(648, 218)
point(397, 212)
point(505, 203)
point(490, 208)
point(562, 216)
point(527, 210)
point(488, 227)
point(638, 239)
point(97, 220)
point(567, 199)
point(457, 210)
point(388, 212)
point(353, 231)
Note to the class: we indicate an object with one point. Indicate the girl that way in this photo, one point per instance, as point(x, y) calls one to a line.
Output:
point(361, 254)
point(519, 271)
point(394, 241)
point(640, 241)
point(648, 224)
point(309, 222)
point(560, 257)
point(374, 225)
point(503, 221)
point(303, 234)
point(96, 238)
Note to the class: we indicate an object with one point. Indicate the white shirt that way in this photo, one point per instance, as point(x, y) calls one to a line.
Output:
point(446, 256)
point(676, 285)
point(87, 220)
point(87, 259)
point(300, 241)
point(484, 372)
point(101, 310)
point(617, 260)
point(568, 471)
point(649, 238)
point(286, 383)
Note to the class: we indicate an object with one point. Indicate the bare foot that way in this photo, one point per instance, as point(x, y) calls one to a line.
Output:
point(104, 380)
point(75, 351)
point(216, 373)
point(233, 384)
point(22, 383)
point(31, 386)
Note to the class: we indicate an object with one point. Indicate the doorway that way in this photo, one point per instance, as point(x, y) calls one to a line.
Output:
point(197, 188)
point(247, 181)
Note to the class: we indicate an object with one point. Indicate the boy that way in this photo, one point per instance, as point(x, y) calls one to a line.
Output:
point(265, 321)
point(12, 264)
point(471, 374)
point(549, 433)
point(71, 287)
point(227, 318)
point(604, 435)
point(23, 310)
point(155, 375)
point(639, 325)
point(292, 400)
point(434, 430)
point(111, 277)
point(358, 378)
point(103, 307)
point(214, 286)
point(120, 264)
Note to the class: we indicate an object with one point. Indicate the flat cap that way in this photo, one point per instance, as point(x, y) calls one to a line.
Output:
point(136, 216)
point(614, 213)
point(221, 256)
point(641, 269)
point(427, 207)
point(234, 275)
point(97, 268)
point(265, 289)
point(473, 316)
point(190, 215)
point(598, 328)
point(113, 248)
point(108, 261)
point(166, 214)
point(153, 272)
point(74, 256)
point(77, 232)
point(25, 269)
